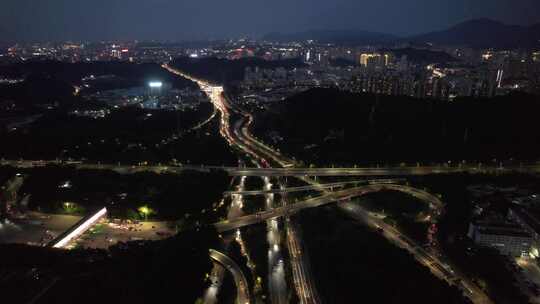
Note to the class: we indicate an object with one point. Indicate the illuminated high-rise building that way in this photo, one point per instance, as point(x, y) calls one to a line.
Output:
point(536, 56)
point(367, 58)
point(374, 60)
point(386, 59)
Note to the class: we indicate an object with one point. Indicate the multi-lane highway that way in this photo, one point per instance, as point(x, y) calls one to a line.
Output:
point(387, 171)
point(238, 136)
point(300, 266)
point(304, 286)
point(432, 261)
point(303, 281)
point(277, 283)
point(235, 210)
point(235, 138)
point(217, 274)
point(439, 268)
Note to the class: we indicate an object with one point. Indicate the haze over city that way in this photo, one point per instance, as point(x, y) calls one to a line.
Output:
point(210, 19)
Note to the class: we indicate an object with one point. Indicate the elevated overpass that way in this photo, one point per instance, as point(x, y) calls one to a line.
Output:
point(314, 187)
point(297, 172)
point(242, 287)
point(385, 171)
point(332, 197)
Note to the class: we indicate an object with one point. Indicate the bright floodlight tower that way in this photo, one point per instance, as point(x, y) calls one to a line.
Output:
point(155, 88)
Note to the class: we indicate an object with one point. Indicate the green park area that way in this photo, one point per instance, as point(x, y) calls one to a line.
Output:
point(138, 196)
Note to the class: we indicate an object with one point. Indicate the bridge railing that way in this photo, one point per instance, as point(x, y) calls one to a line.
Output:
point(78, 229)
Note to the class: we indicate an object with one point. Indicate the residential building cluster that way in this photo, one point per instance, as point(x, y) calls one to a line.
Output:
point(389, 73)
point(506, 220)
point(154, 96)
point(429, 71)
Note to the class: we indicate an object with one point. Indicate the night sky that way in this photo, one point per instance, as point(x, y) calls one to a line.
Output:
point(40, 20)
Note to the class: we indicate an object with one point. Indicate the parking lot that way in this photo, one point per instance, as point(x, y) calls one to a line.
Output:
point(39, 229)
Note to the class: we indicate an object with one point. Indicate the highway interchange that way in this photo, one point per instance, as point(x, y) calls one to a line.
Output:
point(327, 198)
point(330, 186)
point(418, 170)
point(238, 136)
point(303, 282)
point(304, 285)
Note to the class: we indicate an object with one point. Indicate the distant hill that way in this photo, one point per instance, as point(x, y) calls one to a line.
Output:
point(52, 81)
point(138, 74)
point(330, 126)
point(342, 37)
point(476, 33)
point(220, 70)
point(484, 33)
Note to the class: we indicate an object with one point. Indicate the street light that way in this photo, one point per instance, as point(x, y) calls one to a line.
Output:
point(145, 211)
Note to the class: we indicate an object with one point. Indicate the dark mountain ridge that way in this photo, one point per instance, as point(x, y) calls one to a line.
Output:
point(485, 33)
point(347, 37)
point(476, 33)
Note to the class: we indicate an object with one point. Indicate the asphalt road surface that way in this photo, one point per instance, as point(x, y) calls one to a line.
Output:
point(242, 286)
point(329, 197)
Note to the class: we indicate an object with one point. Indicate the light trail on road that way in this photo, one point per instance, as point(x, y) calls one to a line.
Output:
point(242, 286)
point(305, 287)
point(215, 95)
point(446, 273)
point(235, 211)
point(276, 274)
point(474, 294)
point(277, 283)
point(303, 279)
point(216, 279)
point(326, 198)
point(278, 172)
point(438, 268)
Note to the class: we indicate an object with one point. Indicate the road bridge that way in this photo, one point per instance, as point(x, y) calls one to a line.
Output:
point(297, 172)
point(242, 287)
point(332, 197)
point(314, 187)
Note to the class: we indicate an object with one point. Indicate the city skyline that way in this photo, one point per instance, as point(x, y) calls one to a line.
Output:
point(301, 152)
